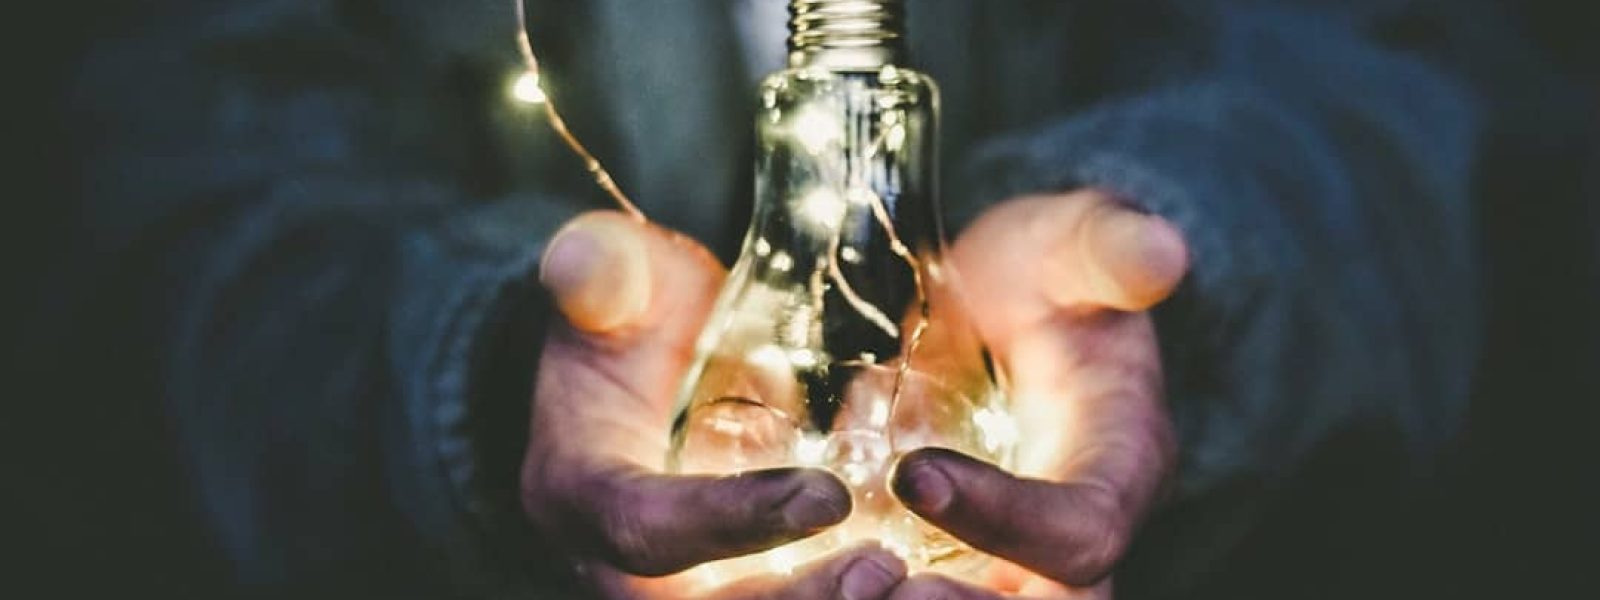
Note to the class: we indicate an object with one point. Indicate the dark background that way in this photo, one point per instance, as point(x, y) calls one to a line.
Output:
point(94, 504)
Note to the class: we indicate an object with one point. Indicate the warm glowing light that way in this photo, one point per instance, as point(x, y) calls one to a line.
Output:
point(850, 255)
point(880, 414)
point(526, 89)
point(782, 262)
point(894, 544)
point(895, 138)
point(794, 326)
point(843, 158)
point(856, 473)
point(999, 430)
point(707, 577)
point(817, 129)
point(803, 358)
point(782, 559)
point(822, 208)
point(809, 450)
point(728, 427)
point(894, 130)
point(770, 357)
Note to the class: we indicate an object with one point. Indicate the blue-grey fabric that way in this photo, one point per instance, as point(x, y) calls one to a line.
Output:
point(328, 217)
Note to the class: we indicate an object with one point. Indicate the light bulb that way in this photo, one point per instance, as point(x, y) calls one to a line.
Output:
point(836, 341)
point(526, 89)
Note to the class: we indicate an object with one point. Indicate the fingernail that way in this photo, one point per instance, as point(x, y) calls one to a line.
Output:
point(922, 486)
point(814, 507)
point(596, 270)
point(870, 577)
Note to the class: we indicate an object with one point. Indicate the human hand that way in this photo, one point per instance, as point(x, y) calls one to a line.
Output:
point(1062, 282)
point(634, 297)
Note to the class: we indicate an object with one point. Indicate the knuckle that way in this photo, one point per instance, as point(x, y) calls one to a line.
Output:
point(756, 507)
point(627, 540)
point(1102, 548)
point(1102, 538)
point(590, 512)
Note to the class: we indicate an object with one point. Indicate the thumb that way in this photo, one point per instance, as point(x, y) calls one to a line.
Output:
point(1072, 533)
point(633, 297)
point(1082, 249)
point(597, 269)
point(1124, 259)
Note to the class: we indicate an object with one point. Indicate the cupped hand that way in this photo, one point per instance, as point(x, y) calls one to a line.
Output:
point(1058, 286)
point(634, 297)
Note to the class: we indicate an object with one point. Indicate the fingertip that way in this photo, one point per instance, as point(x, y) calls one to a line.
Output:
point(922, 484)
point(596, 268)
point(654, 524)
point(930, 586)
point(1165, 253)
point(872, 573)
point(865, 571)
point(819, 500)
point(1135, 260)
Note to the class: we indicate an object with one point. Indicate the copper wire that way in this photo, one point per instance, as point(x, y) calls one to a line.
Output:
point(601, 176)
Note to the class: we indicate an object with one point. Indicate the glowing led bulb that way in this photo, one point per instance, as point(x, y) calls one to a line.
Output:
point(816, 129)
point(782, 262)
point(998, 428)
point(526, 89)
point(771, 357)
point(880, 415)
point(825, 342)
point(809, 450)
point(803, 358)
point(822, 209)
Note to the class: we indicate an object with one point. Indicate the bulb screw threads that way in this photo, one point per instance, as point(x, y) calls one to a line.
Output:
point(846, 34)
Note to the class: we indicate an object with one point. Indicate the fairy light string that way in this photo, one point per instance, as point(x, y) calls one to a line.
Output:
point(531, 89)
point(602, 177)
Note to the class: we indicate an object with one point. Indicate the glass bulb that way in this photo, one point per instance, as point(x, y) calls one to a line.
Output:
point(837, 341)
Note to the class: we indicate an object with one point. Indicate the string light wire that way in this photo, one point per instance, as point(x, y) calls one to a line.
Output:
point(607, 183)
point(602, 177)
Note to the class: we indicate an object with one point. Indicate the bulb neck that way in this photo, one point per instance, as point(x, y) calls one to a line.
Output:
point(846, 35)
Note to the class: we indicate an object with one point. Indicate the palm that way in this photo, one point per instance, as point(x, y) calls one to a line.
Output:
point(1057, 286)
point(634, 297)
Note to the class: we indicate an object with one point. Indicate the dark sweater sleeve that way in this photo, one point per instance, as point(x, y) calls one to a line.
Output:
point(325, 299)
point(1323, 181)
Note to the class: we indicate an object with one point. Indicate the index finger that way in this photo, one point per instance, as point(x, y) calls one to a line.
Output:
point(864, 572)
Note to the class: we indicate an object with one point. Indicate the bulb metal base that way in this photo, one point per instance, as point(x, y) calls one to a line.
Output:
point(846, 35)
